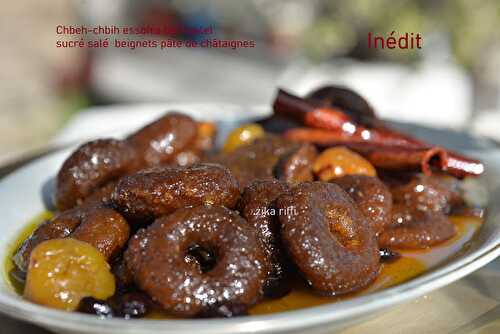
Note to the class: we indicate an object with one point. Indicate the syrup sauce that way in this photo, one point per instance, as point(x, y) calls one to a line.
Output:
point(16, 243)
point(411, 264)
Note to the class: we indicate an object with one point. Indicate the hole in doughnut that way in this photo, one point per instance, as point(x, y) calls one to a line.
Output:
point(205, 257)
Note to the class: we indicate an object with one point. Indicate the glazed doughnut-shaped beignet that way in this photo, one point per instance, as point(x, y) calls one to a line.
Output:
point(416, 229)
point(372, 197)
point(103, 228)
point(169, 261)
point(152, 193)
point(160, 141)
point(257, 206)
point(91, 166)
point(328, 238)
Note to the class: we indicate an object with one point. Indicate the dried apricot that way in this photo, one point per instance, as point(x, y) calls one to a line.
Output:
point(243, 135)
point(63, 271)
point(339, 161)
point(206, 135)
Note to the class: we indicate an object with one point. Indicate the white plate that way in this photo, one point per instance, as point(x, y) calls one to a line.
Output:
point(21, 200)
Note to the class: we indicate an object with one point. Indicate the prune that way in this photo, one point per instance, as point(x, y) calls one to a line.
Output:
point(224, 311)
point(159, 191)
point(328, 238)
point(123, 276)
point(127, 305)
point(91, 305)
point(130, 305)
point(162, 266)
point(346, 99)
